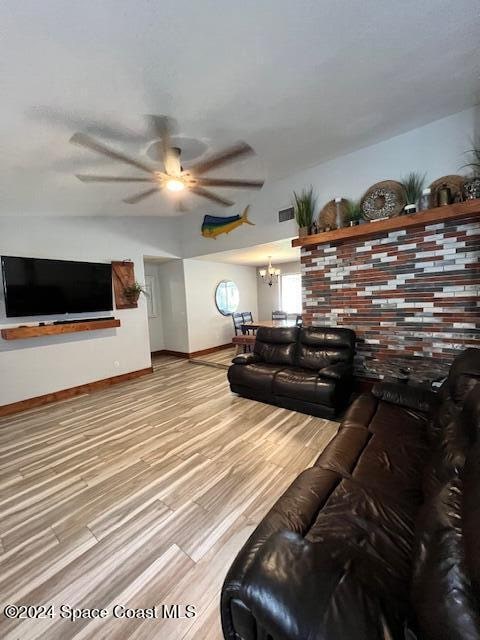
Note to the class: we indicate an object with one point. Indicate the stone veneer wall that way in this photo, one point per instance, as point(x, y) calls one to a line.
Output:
point(409, 295)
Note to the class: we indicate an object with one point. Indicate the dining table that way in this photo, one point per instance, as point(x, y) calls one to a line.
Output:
point(270, 324)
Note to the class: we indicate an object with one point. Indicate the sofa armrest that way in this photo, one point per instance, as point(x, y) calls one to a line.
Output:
point(247, 358)
point(336, 371)
point(406, 396)
point(296, 589)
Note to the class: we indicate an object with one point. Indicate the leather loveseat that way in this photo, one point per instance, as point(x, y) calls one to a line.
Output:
point(380, 539)
point(306, 369)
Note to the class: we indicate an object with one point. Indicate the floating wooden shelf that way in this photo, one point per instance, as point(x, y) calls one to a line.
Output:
point(22, 333)
point(431, 216)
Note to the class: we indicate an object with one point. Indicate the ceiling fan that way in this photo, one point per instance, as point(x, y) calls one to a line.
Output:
point(174, 177)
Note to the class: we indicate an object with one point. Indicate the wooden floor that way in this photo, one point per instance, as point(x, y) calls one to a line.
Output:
point(222, 358)
point(140, 495)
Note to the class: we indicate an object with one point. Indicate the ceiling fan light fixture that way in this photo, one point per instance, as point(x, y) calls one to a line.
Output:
point(175, 185)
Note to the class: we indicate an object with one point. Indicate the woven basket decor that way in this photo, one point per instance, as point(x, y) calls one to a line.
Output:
point(384, 199)
point(454, 183)
point(327, 218)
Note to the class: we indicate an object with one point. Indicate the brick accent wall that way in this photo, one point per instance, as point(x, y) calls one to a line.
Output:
point(412, 296)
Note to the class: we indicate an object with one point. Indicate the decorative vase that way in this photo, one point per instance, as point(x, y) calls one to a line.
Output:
point(444, 195)
point(338, 213)
point(425, 200)
point(302, 232)
point(410, 208)
point(471, 188)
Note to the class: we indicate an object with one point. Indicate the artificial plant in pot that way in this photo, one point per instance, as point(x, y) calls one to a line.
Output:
point(471, 188)
point(304, 208)
point(413, 187)
point(132, 292)
point(353, 212)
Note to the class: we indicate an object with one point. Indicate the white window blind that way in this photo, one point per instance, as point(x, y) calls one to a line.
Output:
point(291, 293)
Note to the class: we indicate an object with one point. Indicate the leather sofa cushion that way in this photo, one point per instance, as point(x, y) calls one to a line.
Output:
point(294, 511)
point(304, 384)
point(258, 376)
point(406, 396)
point(276, 346)
point(298, 589)
point(471, 480)
point(380, 445)
point(446, 584)
point(374, 535)
point(342, 452)
point(361, 412)
point(464, 375)
point(394, 466)
point(442, 592)
point(321, 346)
point(453, 444)
point(397, 421)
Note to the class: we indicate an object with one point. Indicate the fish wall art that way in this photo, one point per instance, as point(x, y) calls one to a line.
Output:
point(213, 226)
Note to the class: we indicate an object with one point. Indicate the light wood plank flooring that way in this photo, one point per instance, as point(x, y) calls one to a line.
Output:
point(140, 495)
point(222, 358)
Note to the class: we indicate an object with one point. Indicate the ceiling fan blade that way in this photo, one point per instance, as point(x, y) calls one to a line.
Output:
point(163, 127)
point(204, 193)
point(87, 178)
point(227, 182)
point(90, 143)
point(231, 154)
point(140, 196)
point(74, 120)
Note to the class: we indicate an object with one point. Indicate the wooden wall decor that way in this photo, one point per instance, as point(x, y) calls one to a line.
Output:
point(123, 275)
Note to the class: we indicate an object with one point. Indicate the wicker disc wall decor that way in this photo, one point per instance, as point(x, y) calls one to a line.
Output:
point(327, 218)
point(385, 199)
point(453, 182)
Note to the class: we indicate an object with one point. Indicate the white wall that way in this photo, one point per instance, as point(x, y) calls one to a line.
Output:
point(174, 305)
point(38, 366)
point(207, 327)
point(437, 149)
point(155, 322)
point(269, 297)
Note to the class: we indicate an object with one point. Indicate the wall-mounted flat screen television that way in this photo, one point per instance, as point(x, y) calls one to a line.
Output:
point(34, 286)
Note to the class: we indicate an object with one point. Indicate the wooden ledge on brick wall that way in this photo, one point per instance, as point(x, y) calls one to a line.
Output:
point(431, 216)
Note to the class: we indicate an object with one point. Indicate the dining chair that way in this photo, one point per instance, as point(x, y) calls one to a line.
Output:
point(248, 317)
point(279, 315)
point(237, 318)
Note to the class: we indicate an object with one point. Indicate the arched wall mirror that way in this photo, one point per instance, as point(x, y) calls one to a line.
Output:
point(227, 297)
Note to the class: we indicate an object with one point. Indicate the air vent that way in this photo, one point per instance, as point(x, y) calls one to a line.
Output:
point(286, 214)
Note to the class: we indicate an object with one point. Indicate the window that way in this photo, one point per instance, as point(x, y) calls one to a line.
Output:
point(291, 293)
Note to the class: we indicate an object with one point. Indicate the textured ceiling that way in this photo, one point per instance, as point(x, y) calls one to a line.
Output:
point(301, 81)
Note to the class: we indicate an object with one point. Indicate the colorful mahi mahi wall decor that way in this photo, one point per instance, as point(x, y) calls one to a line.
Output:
point(213, 226)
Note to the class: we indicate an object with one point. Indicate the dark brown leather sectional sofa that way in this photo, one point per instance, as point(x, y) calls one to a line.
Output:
point(380, 539)
point(308, 370)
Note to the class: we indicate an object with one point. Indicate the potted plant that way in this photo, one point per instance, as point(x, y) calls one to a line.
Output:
point(304, 209)
point(354, 212)
point(471, 188)
point(133, 291)
point(413, 187)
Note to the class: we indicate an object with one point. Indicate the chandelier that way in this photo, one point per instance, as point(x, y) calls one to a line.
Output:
point(269, 274)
